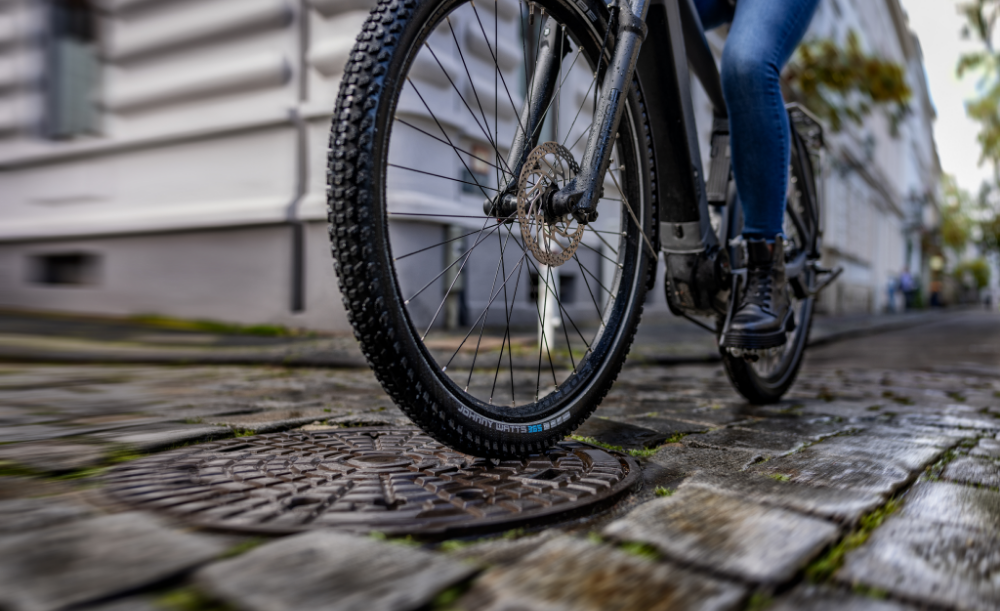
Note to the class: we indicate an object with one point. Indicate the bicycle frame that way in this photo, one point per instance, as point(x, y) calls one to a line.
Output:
point(699, 278)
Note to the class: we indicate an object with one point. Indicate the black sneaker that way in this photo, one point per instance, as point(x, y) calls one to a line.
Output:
point(764, 313)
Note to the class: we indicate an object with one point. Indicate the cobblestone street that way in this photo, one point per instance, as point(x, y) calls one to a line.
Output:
point(874, 486)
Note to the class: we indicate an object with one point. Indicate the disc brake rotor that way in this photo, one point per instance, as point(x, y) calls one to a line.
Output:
point(552, 241)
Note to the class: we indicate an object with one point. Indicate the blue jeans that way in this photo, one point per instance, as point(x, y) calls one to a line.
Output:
point(763, 35)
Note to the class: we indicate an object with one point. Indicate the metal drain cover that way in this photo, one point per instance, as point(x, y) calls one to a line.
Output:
point(395, 481)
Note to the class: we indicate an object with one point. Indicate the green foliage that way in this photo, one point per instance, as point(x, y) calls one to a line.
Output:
point(781, 477)
point(662, 491)
point(981, 18)
point(843, 83)
point(956, 221)
point(977, 269)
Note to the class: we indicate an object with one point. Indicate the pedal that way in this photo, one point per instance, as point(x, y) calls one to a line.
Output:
point(717, 187)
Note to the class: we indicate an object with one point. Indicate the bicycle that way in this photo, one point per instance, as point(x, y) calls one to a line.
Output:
point(484, 150)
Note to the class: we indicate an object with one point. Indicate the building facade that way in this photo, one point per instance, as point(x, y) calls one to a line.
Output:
point(168, 157)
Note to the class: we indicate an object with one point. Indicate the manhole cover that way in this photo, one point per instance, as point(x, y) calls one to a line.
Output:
point(395, 481)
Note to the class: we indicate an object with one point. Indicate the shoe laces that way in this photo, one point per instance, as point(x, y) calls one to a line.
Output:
point(758, 291)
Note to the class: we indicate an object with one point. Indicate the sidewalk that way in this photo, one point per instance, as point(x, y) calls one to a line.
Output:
point(669, 340)
point(29, 337)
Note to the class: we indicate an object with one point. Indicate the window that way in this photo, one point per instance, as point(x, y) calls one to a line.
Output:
point(73, 69)
point(480, 165)
point(566, 288)
point(65, 269)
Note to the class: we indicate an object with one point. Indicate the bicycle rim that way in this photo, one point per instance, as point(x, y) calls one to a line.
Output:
point(496, 335)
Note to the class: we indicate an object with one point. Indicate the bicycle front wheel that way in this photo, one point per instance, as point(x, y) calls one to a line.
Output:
point(496, 335)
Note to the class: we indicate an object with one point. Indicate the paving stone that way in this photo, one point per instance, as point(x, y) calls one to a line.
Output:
point(911, 456)
point(970, 470)
point(26, 487)
point(813, 428)
point(841, 505)
point(272, 426)
point(814, 467)
point(916, 434)
point(822, 598)
point(721, 533)
point(333, 572)
point(979, 422)
point(987, 448)
point(621, 434)
point(34, 432)
point(53, 457)
point(667, 426)
point(758, 442)
point(502, 551)
point(149, 441)
point(573, 575)
point(21, 515)
point(95, 558)
point(928, 564)
point(132, 603)
point(956, 505)
point(674, 462)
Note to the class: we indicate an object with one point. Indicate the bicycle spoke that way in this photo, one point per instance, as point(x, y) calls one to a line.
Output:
point(442, 272)
point(602, 255)
point(417, 252)
point(479, 103)
point(635, 219)
point(586, 282)
point(459, 150)
point(445, 133)
point(460, 96)
point(599, 237)
point(496, 64)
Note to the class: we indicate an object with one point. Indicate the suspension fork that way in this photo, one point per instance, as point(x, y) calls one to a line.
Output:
point(580, 196)
point(552, 48)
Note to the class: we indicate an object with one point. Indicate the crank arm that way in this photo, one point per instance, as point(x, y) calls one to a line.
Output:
point(579, 197)
point(834, 274)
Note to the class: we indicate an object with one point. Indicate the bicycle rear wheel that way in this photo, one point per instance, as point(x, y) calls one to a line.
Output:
point(482, 345)
point(768, 378)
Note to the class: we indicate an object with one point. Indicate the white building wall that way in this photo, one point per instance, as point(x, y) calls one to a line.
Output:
point(214, 121)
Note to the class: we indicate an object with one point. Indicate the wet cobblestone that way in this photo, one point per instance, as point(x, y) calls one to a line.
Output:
point(738, 503)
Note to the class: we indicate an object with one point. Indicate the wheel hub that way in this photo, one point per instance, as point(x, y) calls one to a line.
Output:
point(552, 239)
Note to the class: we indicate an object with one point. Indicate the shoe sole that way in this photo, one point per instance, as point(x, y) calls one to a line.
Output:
point(760, 341)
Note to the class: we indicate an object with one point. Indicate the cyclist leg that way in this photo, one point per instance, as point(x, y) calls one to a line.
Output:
point(763, 35)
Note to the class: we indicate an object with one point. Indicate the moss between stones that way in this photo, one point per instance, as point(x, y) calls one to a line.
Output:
point(190, 599)
point(758, 601)
point(445, 600)
point(641, 453)
point(661, 491)
point(243, 547)
point(824, 567)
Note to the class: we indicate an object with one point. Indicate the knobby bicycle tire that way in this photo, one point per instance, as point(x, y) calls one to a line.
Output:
point(407, 365)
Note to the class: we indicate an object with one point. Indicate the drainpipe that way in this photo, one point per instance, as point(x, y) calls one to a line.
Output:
point(298, 258)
